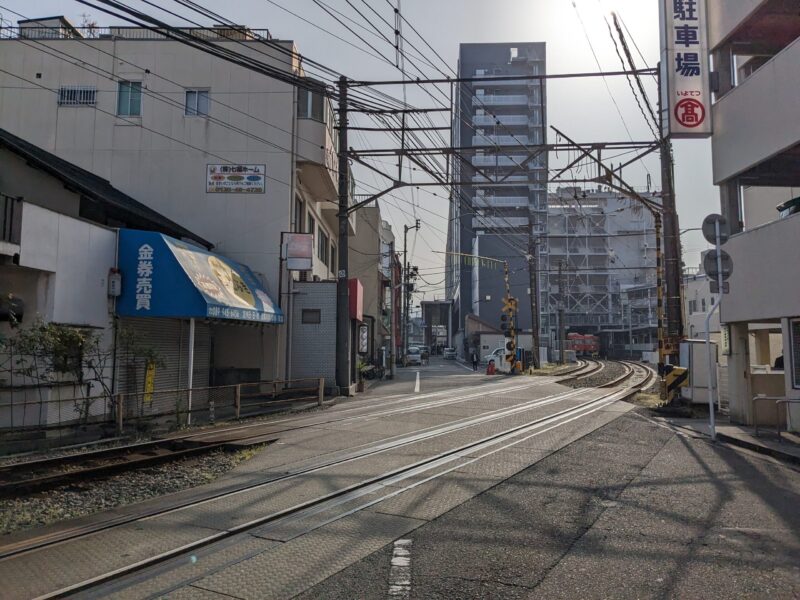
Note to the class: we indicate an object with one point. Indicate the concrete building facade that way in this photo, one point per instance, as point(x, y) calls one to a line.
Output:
point(236, 156)
point(601, 252)
point(755, 47)
point(500, 181)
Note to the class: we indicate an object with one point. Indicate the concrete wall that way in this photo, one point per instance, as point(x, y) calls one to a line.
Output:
point(757, 119)
point(314, 346)
point(80, 255)
point(724, 16)
point(759, 203)
point(759, 289)
point(19, 179)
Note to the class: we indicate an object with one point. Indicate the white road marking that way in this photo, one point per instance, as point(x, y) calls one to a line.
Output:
point(416, 385)
point(461, 364)
point(400, 571)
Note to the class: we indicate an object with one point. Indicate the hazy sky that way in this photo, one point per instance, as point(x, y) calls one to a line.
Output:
point(582, 108)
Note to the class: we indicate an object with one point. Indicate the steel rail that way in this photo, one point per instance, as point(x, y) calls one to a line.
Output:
point(336, 458)
point(385, 479)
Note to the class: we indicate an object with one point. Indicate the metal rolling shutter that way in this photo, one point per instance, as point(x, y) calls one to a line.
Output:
point(170, 339)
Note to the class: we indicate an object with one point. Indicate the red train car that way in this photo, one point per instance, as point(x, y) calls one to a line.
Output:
point(583, 344)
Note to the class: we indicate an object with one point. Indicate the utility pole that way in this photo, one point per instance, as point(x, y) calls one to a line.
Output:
point(406, 281)
point(533, 273)
point(342, 290)
point(561, 326)
point(672, 241)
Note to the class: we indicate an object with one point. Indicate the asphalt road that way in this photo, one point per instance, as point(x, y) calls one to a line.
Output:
point(632, 510)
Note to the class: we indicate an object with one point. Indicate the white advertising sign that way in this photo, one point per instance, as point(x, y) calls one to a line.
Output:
point(686, 93)
point(235, 179)
point(298, 251)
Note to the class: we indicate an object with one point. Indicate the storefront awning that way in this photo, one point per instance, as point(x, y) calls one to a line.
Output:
point(165, 277)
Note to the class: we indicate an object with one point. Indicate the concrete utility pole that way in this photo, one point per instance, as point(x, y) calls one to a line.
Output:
point(406, 281)
point(342, 291)
point(533, 272)
point(561, 326)
point(672, 240)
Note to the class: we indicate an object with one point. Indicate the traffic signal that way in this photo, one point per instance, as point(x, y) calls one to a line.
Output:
point(511, 350)
point(504, 322)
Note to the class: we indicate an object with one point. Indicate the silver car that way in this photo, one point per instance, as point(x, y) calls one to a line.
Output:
point(413, 356)
point(450, 353)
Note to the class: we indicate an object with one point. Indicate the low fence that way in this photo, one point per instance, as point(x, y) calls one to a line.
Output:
point(160, 409)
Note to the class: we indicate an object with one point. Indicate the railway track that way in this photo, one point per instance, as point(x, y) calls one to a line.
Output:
point(21, 478)
point(372, 489)
point(587, 368)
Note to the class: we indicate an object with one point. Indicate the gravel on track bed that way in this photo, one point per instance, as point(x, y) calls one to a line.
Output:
point(81, 499)
point(611, 371)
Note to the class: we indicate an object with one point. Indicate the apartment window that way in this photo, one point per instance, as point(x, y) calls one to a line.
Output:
point(312, 224)
point(197, 103)
point(129, 99)
point(322, 247)
point(692, 306)
point(702, 305)
point(311, 316)
point(310, 105)
point(77, 95)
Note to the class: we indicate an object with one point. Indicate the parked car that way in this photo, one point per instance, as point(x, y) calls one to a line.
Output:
point(449, 353)
point(496, 355)
point(413, 356)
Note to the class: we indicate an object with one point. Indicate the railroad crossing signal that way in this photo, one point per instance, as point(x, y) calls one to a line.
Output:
point(509, 305)
point(511, 350)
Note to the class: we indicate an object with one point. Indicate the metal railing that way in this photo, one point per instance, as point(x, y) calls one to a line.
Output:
point(157, 409)
point(778, 400)
point(44, 31)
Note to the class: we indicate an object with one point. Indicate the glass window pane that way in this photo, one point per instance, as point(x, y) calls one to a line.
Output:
point(302, 103)
point(136, 98)
point(317, 111)
point(191, 103)
point(123, 98)
point(203, 103)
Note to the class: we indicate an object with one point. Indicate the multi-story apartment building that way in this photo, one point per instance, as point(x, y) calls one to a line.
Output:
point(501, 180)
point(233, 155)
point(755, 48)
point(601, 259)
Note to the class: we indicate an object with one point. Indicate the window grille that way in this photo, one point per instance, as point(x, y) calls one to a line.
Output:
point(77, 95)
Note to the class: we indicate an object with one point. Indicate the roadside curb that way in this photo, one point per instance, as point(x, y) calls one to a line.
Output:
point(775, 453)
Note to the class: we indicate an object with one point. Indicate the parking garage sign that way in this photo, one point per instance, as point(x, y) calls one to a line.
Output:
point(685, 69)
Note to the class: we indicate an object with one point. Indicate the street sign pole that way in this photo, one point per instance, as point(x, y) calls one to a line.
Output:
point(715, 229)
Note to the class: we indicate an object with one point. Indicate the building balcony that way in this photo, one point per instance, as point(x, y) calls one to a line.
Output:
point(511, 180)
point(500, 100)
point(506, 120)
point(501, 160)
point(317, 157)
point(761, 285)
point(756, 129)
point(499, 222)
point(501, 140)
point(501, 201)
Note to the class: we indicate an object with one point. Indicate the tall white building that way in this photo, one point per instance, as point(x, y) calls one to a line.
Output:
point(755, 47)
point(601, 259)
point(233, 155)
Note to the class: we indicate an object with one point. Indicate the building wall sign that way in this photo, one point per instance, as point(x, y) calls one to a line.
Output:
point(298, 251)
point(236, 179)
point(686, 95)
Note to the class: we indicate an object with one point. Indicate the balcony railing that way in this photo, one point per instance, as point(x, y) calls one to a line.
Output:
point(507, 120)
point(500, 100)
point(501, 201)
point(213, 34)
point(499, 222)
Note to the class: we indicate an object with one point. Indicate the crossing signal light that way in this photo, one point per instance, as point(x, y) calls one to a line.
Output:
point(509, 305)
